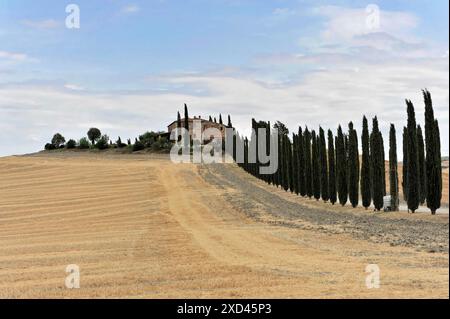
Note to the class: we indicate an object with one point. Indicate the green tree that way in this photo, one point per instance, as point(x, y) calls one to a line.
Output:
point(323, 166)
point(377, 165)
point(331, 169)
point(220, 119)
point(405, 165)
point(341, 167)
point(422, 167)
point(102, 143)
point(353, 166)
point(71, 144)
point(433, 156)
point(83, 143)
point(308, 164)
point(366, 183)
point(413, 160)
point(58, 140)
point(301, 163)
point(229, 122)
point(393, 169)
point(94, 134)
point(282, 129)
point(315, 160)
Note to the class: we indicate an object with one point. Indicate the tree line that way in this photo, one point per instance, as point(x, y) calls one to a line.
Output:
point(328, 166)
point(96, 140)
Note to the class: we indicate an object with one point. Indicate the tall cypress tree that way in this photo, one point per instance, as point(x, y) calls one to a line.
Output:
point(286, 177)
point(178, 126)
point(341, 167)
point(295, 162)
point(393, 169)
point(422, 167)
point(290, 164)
point(366, 183)
point(405, 165)
point(433, 156)
point(187, 140)
point(220, 119)
point(323, 166)
point(315, 166)
point(231, 125)
point(308, 164)
point(353, 165)
point(413, 160)
point(331, 169)
point(377, 165)
point(301, 163)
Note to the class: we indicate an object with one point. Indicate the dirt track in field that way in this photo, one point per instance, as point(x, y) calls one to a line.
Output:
point(140, 226)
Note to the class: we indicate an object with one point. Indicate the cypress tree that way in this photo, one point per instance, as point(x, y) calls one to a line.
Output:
point(178, 126)
point(220, 119)
point(231, 125)
point(301, 163)
point(290, 165)
point(433, 156)
point(377, 165)
point(422, 167)
point(413, 160)
point(187, 140)
point(405, 165)
point(295, 162)
point(308, 164)
point(315, 166)
point(353, 166)
point(323, 166)
point(331, 169)
point(286, 176)
point(210, 118)
point(366, 183)
point(393, 169)
point(341, 167)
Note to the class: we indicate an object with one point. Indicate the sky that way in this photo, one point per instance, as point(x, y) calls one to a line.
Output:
point(131, 65)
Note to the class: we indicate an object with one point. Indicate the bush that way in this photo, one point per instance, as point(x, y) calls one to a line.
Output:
point(119, 143)
point(102, 143)
point(49, 147)
point(83, 144)
point(138, 146)
point(71, 144)
point(161, 143)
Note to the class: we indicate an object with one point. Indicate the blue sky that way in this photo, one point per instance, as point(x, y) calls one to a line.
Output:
point(132, 64)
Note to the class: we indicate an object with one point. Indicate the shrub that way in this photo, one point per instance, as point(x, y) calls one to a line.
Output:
point(138, 146)
point(49, 147)
point(83, 144)
point(71, 144)
point(119, 143)
point(102, 143)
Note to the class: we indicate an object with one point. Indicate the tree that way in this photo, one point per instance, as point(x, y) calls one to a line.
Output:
point(405, 164)
point(377, 165)
point(295, 165)
point(119, 143)
point(331, 169)
point(220, 119)
point(393, 169)
point(413, 160)
point(308, 164)
point(433, 156)
point(282, 129)
point(229, 122)
point(301, 163)
point(94, 134)
point(341, 167)
point(323, 166)
point(366, 193)
point(315, 165)
point(138, 145)
point(83, 143)
point(210, 118)
point(102, 143)
point(422, 167)
point(71, 144)
point(58, 140)
point(49, 147)
point(353, 166)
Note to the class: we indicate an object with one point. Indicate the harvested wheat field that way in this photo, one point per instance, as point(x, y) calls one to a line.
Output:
point(142, 227)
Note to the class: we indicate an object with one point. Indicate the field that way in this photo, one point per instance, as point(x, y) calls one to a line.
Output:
point(139, 226)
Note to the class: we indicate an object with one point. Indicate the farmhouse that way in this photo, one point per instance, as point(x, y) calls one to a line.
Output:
point(205, 124)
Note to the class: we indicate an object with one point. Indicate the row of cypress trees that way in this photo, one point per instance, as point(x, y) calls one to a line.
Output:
point(327, 167)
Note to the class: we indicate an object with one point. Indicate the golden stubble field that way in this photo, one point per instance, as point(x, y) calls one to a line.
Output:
point(141, 227)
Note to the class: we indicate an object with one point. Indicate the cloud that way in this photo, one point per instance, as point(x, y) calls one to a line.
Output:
point(42, 24)
point(73, 87)
point(131, 8)
point(13, 56)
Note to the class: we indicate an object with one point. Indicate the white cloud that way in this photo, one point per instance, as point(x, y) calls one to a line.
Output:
point(13, 56)
point(73, 87)
point(42, 24)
